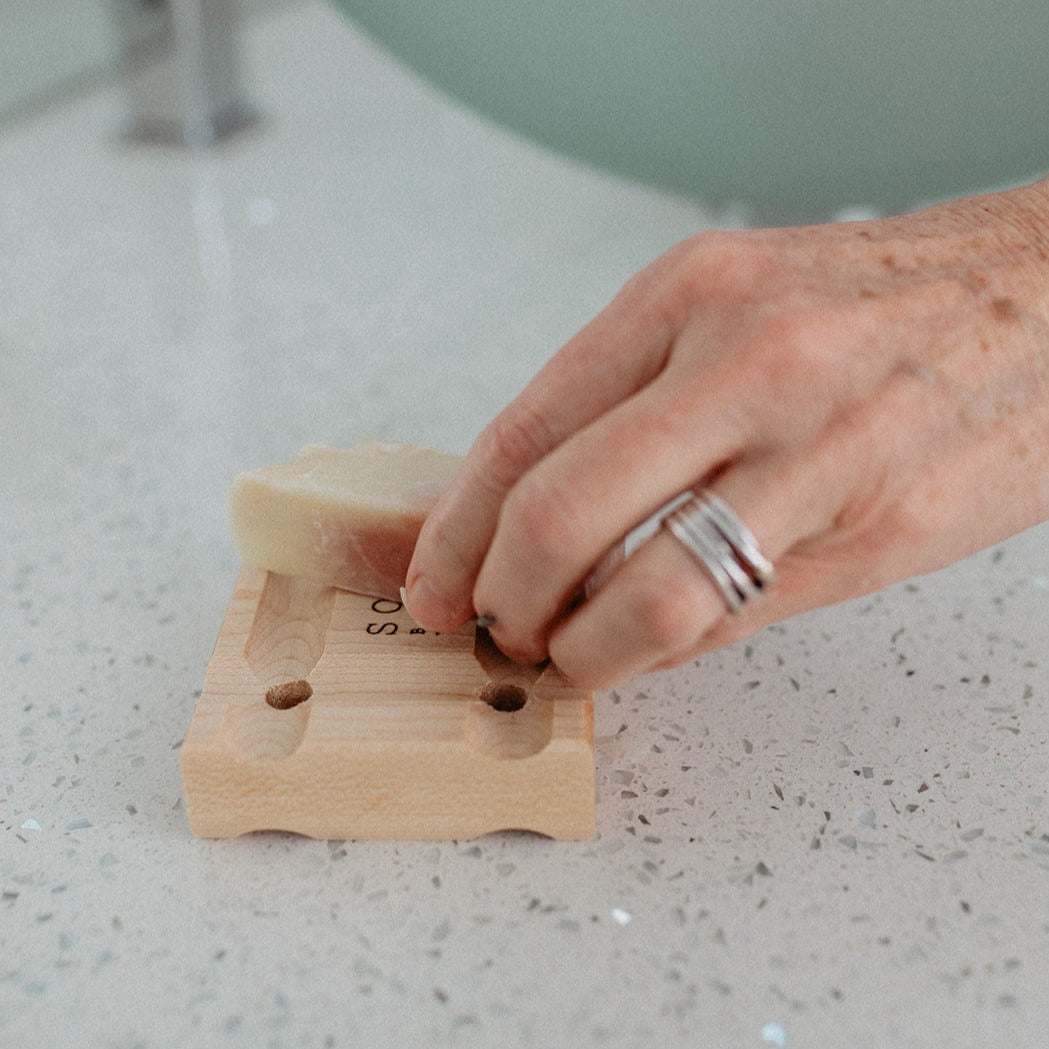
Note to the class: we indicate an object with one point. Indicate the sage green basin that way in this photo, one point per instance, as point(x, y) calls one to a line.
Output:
point(795, 107)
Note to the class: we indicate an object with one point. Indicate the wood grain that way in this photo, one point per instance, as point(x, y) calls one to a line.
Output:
point(375, 728)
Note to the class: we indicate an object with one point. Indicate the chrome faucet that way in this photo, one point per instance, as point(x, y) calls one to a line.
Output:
point(182, 80)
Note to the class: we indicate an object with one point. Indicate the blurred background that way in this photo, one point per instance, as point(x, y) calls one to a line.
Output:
point(797, 111)
point(50, 51)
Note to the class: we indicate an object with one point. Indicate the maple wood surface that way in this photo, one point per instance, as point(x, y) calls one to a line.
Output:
point(333, 715)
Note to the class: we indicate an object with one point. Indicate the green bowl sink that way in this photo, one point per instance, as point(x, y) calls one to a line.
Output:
point(793, 108)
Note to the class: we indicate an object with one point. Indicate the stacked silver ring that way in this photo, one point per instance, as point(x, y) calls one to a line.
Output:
point(709, 529)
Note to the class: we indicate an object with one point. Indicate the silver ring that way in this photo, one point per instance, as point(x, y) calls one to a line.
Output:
point(711, 532)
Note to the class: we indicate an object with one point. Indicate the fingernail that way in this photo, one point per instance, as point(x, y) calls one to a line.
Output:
point(427, 606)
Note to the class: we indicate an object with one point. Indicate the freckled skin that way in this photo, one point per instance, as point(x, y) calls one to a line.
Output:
point(1005, 310)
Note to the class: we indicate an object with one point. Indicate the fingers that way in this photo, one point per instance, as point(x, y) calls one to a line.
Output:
point(590, 491)
point(832, 534)
point(615, 355)
point(661, 607)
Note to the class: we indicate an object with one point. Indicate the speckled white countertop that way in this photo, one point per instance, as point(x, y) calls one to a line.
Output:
point(835, 835)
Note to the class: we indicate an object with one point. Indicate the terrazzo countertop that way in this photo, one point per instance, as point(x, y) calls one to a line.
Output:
point(833, 835)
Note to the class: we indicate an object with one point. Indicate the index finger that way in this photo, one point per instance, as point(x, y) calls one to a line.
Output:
point(616, 354)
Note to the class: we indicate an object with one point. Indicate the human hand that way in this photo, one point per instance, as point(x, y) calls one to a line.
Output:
point(871, 398)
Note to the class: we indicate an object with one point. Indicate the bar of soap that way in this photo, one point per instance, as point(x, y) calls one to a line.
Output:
point(346, 517)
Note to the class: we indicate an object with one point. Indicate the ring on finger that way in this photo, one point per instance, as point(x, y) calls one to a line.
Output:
point(711, 532)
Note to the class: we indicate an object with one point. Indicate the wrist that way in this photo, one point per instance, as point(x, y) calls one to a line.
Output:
point(1022, 219)
point(1041, 187)
point(1028, 212)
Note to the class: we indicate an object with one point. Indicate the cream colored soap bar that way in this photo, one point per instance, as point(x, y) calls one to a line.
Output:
point(346, 517)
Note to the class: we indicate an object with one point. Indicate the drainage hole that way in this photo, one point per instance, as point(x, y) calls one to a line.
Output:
point(289, 694)
point(504, 698)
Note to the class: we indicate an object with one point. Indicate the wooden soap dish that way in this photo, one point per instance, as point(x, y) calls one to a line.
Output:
point(333, 715)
